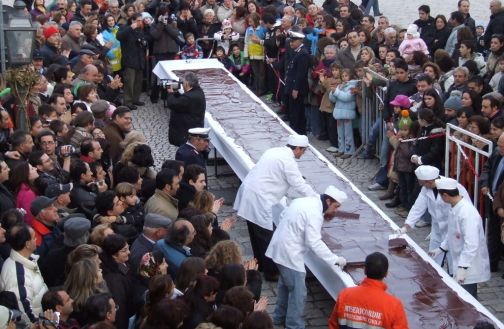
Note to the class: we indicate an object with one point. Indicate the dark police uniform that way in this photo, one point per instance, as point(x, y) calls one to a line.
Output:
point(296, 78)
point(189, 155)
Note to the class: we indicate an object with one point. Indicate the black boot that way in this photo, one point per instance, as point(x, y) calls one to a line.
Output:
point(154, 95)
point(394, 203)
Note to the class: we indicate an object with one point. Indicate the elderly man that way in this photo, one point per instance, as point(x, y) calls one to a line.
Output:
point(87, 74)
point(85, 58)
point(45, 222)
point(187, 109)
point(297, 234)
point(116, 130)
point(496, 23)
point(429, 200)
point(175, 246)
point(465, 239)
point(266, 184)
point(73, 37)
point(193, 151)
point(155, 228)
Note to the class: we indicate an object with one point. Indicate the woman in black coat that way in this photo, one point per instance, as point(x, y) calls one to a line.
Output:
point(441, 33)
point(115, 272)
point(187, 110)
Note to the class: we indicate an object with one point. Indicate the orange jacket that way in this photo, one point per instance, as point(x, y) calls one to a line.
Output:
point(368, 306)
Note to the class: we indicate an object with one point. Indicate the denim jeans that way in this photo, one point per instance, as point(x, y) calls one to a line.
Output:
point(291, 297)
point(373, 137)
point(375, 5)
point(313, 117)
point(345, 137)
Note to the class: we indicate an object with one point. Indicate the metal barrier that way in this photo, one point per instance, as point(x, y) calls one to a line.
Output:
point(464, 161)
point(214, 43)
point(372, 110)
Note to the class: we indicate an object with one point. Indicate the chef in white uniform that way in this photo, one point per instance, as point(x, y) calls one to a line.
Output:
point(429, 200)
point(465, 239)
point(298, 233)
point(275, 173)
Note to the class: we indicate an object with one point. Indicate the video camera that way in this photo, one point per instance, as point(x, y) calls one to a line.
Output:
point(173, 84)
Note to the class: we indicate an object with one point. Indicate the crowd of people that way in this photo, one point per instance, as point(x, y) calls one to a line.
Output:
point(93, 236)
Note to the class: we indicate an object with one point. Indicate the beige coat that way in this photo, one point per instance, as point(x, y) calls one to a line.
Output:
point(163, 204)
point(325, 104)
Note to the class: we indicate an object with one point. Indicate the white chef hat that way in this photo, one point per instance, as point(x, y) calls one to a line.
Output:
point(298, 140)
point(336, 194)
point(446, 183)
point(427, 172)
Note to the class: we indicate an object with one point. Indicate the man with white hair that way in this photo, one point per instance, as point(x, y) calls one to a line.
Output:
point(297, 234)
point(266, 184)
point(496, 23)
point(73, 37)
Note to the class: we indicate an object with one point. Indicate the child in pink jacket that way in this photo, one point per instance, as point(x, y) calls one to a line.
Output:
point(412, 43)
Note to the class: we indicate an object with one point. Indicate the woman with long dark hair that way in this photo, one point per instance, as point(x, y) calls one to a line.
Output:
point(441, 34)
point(432, 100)
point(22, 182)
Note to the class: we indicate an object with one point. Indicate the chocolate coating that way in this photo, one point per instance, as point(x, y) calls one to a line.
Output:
point(428, 301)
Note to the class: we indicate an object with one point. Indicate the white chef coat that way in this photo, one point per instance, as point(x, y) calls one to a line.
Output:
point(297, 233)
point(438, 209)
point(275, 173)
point(466, 242)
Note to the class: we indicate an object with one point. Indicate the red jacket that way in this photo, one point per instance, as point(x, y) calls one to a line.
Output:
point(368, 306)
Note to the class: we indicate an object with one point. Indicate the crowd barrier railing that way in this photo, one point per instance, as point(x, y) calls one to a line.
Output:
point(465, 156)
point(214, 43)
point(372, 111)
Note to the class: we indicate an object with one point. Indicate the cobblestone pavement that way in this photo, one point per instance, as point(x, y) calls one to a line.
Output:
point(152, 120)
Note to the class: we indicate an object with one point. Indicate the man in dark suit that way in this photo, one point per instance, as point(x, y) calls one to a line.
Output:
point(491, 177)
point(296, 82)
point(155, 228)
point(194, 151)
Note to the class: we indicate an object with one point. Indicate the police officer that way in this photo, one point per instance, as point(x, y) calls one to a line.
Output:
point(296, 82)
point(193, 151)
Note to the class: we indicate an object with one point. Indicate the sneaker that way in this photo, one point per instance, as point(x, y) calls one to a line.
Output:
point(332, 149)
point(346, 156)
point(139, 103)
point(366, 156)
point(422, 223)
point(269, 97)
point(376, 187)
point(338, 154)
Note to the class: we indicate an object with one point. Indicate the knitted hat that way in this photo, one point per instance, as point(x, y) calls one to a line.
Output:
point(226, 24)
point(454, 101)
point(413, 30)
point(50, 31)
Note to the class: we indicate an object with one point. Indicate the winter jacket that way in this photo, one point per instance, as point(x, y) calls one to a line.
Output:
point(325, 104)
point(225, 43)
point(479, 60)
point(22, 276)
point(346, 59)
point(114, 136)
point(164, 38)
point(452, 39)
point(191, 52)
point(240, 64)
point(24, 200)
point(430, 150)
point(7, 200)
point(495, 26)
point(368, 306)
point(439, 39)
point(114, 55)
point(173, 254)
point(119, 285)
point(187, 111)
point(134, 44)
point(426, 29)
point(254, 50)
point(408, 46)
point(163, 204)
point(402, 155)
point(83, 199)
point(345, 104)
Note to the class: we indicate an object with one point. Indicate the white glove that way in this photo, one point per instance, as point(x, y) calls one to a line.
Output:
point(460, 276)
point(341, 262)
point(401, 231)
point(435, 252)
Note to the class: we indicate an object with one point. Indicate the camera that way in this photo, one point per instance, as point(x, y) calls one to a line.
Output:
point(70, 151)
point(142, 42)
point(170, 83)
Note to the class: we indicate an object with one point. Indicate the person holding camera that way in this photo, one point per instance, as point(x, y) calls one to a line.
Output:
point(166, 40)
point(187, 109)
point(134, 39)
